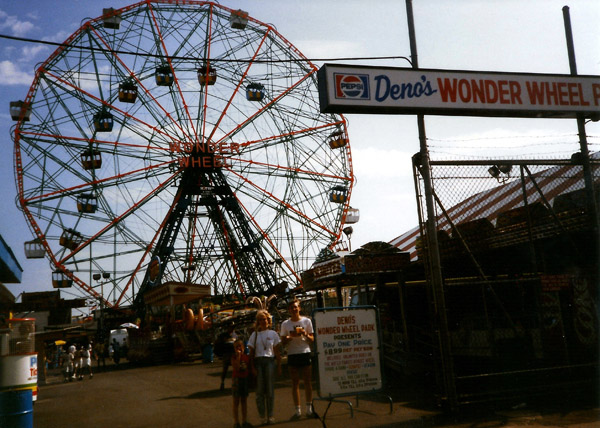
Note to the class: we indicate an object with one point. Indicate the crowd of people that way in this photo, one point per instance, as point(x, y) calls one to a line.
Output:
point(78, 362)
point(263, 361)
point(75, 361)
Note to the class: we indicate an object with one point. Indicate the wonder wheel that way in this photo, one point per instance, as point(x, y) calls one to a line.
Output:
point(179, 142)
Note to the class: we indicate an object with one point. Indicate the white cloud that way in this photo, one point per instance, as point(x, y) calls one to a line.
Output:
point(322, 49)
point(14, 25)
point(58, 37)
point(384, 194)
point(11, 75)
point(372, 162)
point(31, 52)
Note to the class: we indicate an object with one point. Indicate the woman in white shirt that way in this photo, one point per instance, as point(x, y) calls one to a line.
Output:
point(264, 345)
point(297, 334)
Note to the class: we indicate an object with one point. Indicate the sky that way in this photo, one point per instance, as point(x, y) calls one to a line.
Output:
point(482, 35)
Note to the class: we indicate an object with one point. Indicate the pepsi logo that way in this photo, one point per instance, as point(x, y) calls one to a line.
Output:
point(351, 86)
point(354, 86)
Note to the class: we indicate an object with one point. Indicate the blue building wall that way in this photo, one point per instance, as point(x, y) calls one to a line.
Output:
point(10, 269)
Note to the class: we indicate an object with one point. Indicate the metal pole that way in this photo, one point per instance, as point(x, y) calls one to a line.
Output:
point(585, 154)
point(434, 253)
point(532, 253)
point(102, 311)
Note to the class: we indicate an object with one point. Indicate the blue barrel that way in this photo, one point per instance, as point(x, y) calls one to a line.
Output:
point(207, 353)
point(16, 409)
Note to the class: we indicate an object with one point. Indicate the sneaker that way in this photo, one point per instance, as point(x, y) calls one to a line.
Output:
point(264, 420)
point(295, 417)
point(311, 415)
point(271, 420)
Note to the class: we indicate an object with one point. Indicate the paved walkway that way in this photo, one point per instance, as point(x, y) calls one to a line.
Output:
point(187, 395)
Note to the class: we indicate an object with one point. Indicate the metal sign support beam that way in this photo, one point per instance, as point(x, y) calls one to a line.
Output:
point(434, 253)
point(585, 154)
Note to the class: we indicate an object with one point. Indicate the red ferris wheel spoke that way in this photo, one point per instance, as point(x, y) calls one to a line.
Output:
point(114, 144)
point(124, 113)
point(119, 218)
point(103, 181)
point(272, 168)
point(208, 44)
point(90, 290)
point(165, 50)
point(264, 108)
point(298, 132)
point(268, 239)
point(237, 88)
point(149, 247)
point(234, 263)
point(283, 203)
point(146, 91)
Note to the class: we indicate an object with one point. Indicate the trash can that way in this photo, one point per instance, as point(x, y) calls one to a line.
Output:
point(16, 408)
point(18, 359)
point(207, 353)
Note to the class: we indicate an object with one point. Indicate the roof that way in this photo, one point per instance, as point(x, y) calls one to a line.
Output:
point(353, 269)
point(10, 269)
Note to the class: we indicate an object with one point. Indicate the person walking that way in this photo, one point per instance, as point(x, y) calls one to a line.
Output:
point(240, 361)
point(297, 335)
point(225, 343)
point(86, 360)
point(70, 364)
point(99, 352)
point(116, 351)
point(264, 345)
point(78, 362)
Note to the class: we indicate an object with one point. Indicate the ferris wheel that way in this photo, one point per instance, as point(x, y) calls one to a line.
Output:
point(183, 142)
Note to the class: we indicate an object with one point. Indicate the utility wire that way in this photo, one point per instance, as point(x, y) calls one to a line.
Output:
point(187, 58)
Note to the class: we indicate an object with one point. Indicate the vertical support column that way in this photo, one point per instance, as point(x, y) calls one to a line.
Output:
point(588, 177)
point(433, 248)
point(585, 154)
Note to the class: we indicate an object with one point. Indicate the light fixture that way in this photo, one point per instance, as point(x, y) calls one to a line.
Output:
point(494, 171)
point(577, 158)
point(348, 231)
point(500, 172)
point(505, 169)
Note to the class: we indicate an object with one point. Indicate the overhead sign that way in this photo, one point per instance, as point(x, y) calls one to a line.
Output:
point(388, 90)
point(348, 352)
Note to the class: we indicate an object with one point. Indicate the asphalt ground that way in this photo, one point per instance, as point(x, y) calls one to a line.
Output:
point(185, 395)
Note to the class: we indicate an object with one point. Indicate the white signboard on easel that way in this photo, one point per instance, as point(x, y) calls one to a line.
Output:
point(348, 351)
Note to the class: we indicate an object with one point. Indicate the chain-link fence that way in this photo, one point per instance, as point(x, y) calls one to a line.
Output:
point(518, 253)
